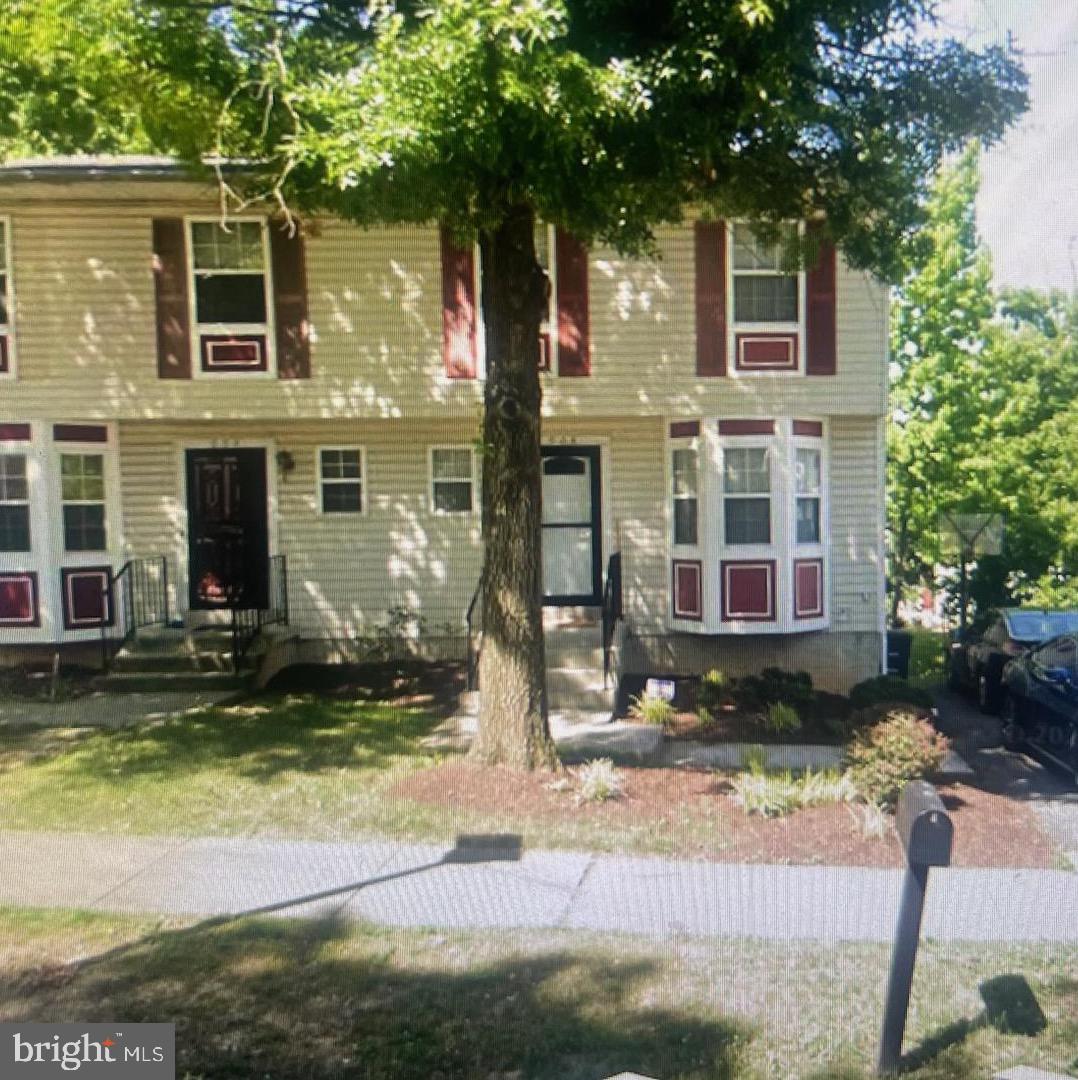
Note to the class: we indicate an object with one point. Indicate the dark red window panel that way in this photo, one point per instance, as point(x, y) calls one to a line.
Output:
point(746, 427)
point(85, 598)
point(684, 429)
point(765, 352)
point(688, 589)
point(95, 433)
point(227, 352)
point(808, 427)
point(14, 432)
point(18, 599)
point(808, 588)
point(748, 590)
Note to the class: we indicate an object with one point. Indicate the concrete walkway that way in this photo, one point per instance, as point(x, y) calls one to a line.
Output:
point(496, 886)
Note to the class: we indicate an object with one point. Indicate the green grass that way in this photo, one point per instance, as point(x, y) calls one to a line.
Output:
point(289, 999)
point(282, 766)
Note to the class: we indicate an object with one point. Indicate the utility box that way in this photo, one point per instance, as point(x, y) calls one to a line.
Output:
point(899, 647)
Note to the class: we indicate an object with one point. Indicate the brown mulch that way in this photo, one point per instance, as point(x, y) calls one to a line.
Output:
point(990, 830)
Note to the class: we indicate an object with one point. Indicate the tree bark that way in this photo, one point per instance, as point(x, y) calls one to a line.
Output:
point(513, 727)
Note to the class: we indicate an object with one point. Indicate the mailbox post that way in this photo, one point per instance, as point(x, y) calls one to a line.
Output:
point(926, 832)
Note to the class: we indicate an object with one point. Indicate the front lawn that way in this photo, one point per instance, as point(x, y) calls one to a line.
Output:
point(334, 768)
point(313, 1000)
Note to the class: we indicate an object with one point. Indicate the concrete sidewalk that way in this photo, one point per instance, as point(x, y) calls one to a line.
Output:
point(397, 884)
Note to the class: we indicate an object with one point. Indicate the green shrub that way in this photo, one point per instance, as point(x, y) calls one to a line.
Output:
point(884, 758)
point(714, 690)
point(651, 710)
point(888, 688)
point(599, 780)
point(753, 693)
point(775, 794)
point(782, 719)
point(755, 759)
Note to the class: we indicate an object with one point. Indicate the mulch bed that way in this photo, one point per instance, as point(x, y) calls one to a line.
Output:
point(746, 728)
point(990, 830)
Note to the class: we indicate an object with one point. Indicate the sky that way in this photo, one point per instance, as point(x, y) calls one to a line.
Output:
point(1027, 211)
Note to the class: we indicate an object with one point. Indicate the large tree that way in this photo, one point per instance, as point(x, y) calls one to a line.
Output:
point(604, 117)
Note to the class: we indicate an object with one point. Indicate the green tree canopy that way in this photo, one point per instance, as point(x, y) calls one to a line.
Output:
point(607, 117)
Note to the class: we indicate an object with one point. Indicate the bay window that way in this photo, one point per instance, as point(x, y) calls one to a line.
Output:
point(746, 496)
point(685, 481)
point(14, 503)
point(807, 485)
point(82, 494)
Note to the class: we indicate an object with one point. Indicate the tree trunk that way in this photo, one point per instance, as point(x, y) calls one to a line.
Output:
point(513, 726)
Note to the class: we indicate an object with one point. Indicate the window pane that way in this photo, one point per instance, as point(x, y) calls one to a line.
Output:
point(3, 299)
point(230, 298)
point(82, 477)
point(237, 248)
point(685, 515)
point(84, 528)
point(747, 471)
point(14, 528)
point(342, 498)
point(766, 298)
point(807, 469)
point(452, 464)
point(748, 521)
point(341, 465)
point(808, 521)
point(13, 486)
point(452, 496)
point(751, 254)
point(684, 470)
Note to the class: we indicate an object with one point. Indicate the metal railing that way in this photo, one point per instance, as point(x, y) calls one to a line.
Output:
point(474, 645)
point(135, 596)
point(612, 610)
point(248, 623)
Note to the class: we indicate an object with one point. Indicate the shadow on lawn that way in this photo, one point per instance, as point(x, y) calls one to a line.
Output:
point(258, 739)
point(324, 999)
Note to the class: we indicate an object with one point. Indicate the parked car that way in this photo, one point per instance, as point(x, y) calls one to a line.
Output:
point(1040, 703)
point(976, 659)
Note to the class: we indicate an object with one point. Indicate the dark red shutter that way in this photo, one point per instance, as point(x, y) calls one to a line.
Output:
point(571, 272)
point(170, 290)
point(292, 326)
point(710, 255)
point(459, 323)
point(820, 321)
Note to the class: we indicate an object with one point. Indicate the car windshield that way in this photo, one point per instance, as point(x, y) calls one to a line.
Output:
point(1040, 625)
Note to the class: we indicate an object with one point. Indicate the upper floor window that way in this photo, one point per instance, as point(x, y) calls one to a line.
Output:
point(82, 493)
point(765, 290)
point(808, 483)
point(451, 479)
point(340, 479)
point(14, 503)
point(746, 492)
point(5, 300)
point(545, 250)
point(684, 473)
point(230, 292)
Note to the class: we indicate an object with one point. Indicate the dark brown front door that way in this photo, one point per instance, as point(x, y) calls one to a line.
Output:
point(228, 533)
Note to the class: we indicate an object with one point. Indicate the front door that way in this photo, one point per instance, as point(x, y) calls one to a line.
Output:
point(572, 537)
point(227, 529)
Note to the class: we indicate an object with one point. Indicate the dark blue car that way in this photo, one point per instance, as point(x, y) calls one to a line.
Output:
point(1040, 703)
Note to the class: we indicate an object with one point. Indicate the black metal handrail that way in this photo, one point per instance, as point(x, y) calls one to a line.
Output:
point(472, 645)
point(134, 597)
point(248, 623)
point(612, 609)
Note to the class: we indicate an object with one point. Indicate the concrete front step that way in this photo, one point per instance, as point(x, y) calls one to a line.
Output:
point(578, 688)
point(170, 681)
point(148, 663)
point(574, 647)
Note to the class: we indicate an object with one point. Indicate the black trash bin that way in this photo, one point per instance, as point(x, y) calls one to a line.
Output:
point(899, 645)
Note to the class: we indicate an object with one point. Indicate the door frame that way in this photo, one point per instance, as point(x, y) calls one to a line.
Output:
point(183, 546)
point(594, 452)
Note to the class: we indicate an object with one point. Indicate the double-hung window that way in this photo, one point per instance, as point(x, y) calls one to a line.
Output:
point(808, 481)
point(5, 300)
point(14, 503)
point(545, 254)
point(452, 479)
point(767, 304)
point(341, 479)
point(684, 476)
point(230, 294)
point(747, 495)
point(82, 493)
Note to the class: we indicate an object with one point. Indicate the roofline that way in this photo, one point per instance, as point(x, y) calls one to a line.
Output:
point(101, 169)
